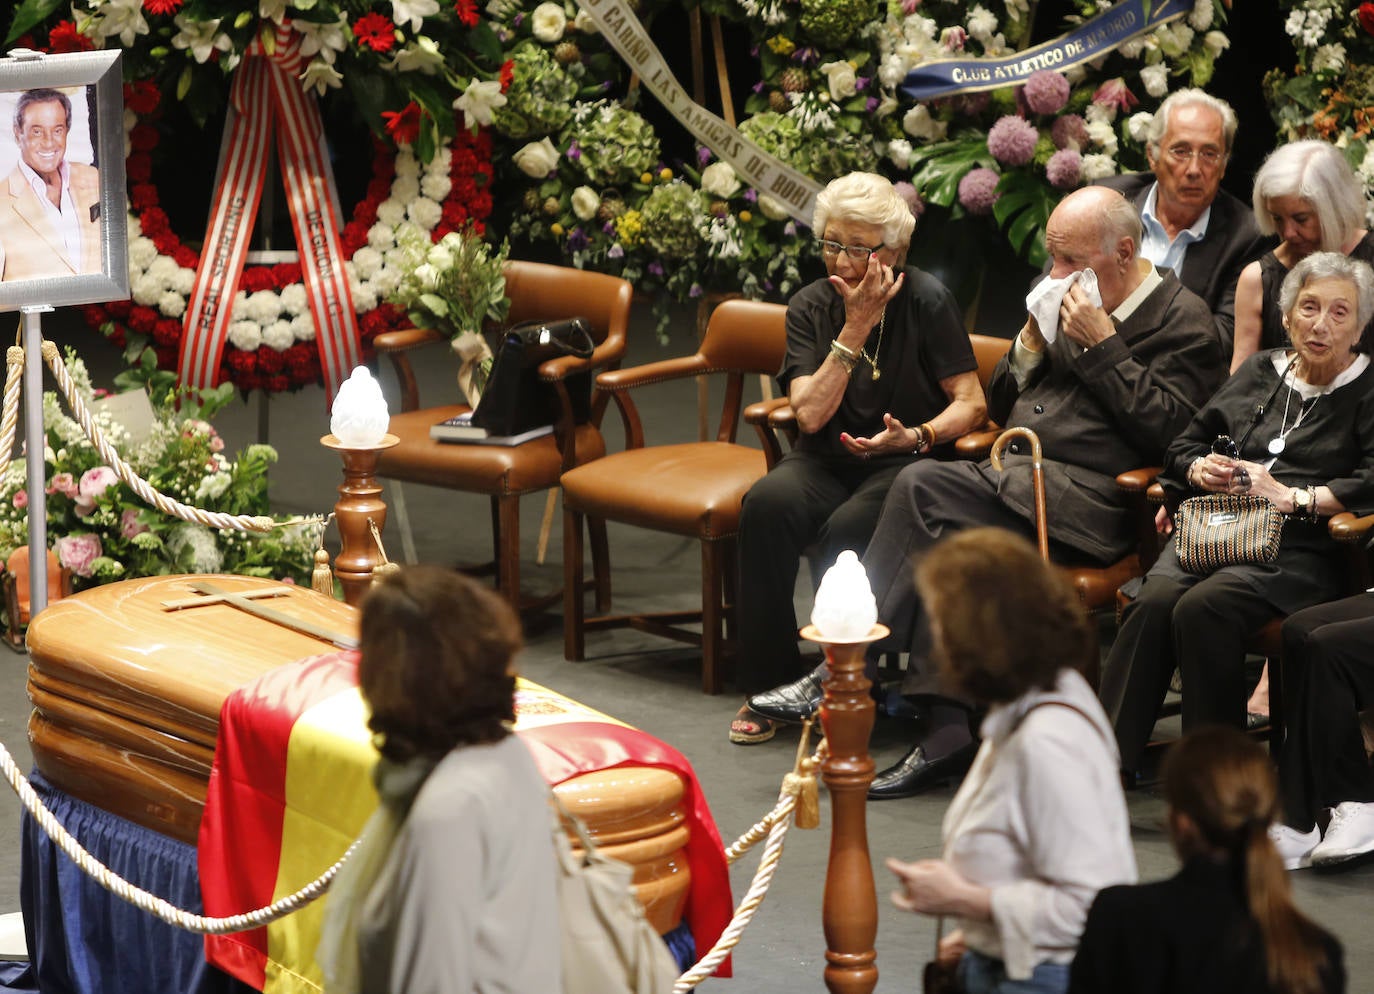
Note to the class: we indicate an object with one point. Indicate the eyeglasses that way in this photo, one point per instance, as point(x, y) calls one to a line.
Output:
point(1182, 155)
point(859, 253)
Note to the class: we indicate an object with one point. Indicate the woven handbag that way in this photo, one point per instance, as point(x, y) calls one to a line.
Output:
point(1219, 530)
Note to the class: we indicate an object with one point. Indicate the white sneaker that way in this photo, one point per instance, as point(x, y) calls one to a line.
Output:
point(1350, 834)
point(1295, 848)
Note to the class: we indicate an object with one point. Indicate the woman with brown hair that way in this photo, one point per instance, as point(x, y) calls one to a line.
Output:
point(454, 882)
point(1226, 921)
point(1039, 824)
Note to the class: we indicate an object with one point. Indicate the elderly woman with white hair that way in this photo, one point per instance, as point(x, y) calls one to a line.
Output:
point(1294, 426)
point(1307, 194)
point(880, 373)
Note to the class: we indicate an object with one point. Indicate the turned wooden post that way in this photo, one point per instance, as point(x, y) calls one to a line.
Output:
point(360, 498)
point(850, 908)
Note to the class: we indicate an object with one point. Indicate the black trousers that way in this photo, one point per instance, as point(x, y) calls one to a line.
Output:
point(1200, 625)
point(1328, 679)
point(805, 501)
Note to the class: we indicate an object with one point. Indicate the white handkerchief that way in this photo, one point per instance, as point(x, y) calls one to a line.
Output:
point(1042, 303)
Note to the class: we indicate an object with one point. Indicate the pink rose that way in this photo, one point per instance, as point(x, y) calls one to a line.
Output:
point(216, 444)
point(129, 525)
point(77, 552)
point(94, 482)
point(21, 498)
point(62, 483)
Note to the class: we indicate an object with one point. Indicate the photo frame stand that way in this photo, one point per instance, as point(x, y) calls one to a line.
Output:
point(31, 337)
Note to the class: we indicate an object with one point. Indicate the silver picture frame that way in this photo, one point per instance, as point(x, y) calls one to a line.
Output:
point(93, 83)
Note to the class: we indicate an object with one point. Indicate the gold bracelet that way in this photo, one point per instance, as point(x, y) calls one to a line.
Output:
point(927, 437)
point(844, 356)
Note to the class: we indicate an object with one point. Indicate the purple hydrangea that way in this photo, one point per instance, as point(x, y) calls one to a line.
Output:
point(912, 197)
point(577, 239)
point(1070, 131)
point(1012, 140)
point(1064, 169)
point(978, 190)
point(1046, 92)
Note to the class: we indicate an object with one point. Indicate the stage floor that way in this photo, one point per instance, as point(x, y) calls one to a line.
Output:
point(634, 677)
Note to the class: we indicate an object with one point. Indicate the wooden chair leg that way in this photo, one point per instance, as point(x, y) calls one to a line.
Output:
point(574, 641)
point(508, 548)
point(601, 563)
point(712, 679)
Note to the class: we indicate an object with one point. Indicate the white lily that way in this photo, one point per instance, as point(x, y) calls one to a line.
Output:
point(413, 11)
point(123, 18)
point(321, 76)
point(324, 40)
point(200, 37)
point(479, 100)
point(421, 55)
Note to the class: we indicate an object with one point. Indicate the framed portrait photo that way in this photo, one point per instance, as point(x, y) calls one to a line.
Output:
point(63, 211)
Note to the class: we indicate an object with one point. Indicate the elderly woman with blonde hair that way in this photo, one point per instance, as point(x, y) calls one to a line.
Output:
point(880, 373)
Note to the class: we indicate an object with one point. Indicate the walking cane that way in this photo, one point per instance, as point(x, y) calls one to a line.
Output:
point(1042, 535)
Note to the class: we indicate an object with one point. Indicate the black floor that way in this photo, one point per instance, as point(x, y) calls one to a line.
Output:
point(656, 686)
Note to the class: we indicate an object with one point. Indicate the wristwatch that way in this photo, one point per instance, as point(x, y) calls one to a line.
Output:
point(1302, 503)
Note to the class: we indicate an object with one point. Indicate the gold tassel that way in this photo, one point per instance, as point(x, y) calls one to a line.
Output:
point(322, 577)
point(802, 782)
point(386, 567)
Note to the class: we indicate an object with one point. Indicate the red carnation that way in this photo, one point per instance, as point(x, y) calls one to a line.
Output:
point(165, 242)
point(1366, 16)
point(276, 384)
point(166, 358)
point(64, 38)
point(186, 257)
point(139, 167)
point(116, 335)
point(167, 332)
point(257, 278)
point(240, 362)
point(162, 6)
point(375, 31)
point(286, 273)
point(142, 320)
point(467, 13)
point(507, 74)
point(454, 214)
point(143, 196)
point(154, 221)
point(270, 361)
point(143, 138)
point(119, 309)
point(142, 96)
point(93, 314)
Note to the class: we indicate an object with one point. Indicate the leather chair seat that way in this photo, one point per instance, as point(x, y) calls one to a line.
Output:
point(497, 470)
point(1097, 587)
point(693, 489)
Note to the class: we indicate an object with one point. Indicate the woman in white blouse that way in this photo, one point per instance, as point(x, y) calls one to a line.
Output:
point(1039, 825)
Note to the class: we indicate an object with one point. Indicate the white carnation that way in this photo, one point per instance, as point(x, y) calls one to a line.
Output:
point(263, 306)
point(142, 252)
point(719, 180)
point(391, 211)
point(1099, 113)
point(899, 151)
point(981, 22)
point(1138, 127)
point(1097, 167)
point(406, 163)
point(212, 486)
point(1155, 79)
point(436, 186)
point(1216, 42)
point(1132, 49)
point(919, 124)
point(548, 22)
point(293, 298)
point(892, 70)
point(386, 280)
point(246, 335)
point(172, 304)
point(405, 188)
point(425, 212)
point(1329, 58)
point(147, 290)
point(278, 335)
point(367, 260)
point(163, 269)
point(238, 310)
point(381, 236)
point(1201, 17)
point(364, 297)
point(134, 225)
point(303, 327)
point(184, 281)
point(1103, 135)
point(772, 209)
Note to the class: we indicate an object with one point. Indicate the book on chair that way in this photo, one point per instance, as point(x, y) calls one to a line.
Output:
point(461, 429)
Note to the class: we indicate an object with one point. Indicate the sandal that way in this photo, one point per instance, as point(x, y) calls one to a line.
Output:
point(749, 728)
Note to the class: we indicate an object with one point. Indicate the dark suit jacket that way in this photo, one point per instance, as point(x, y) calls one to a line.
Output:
point(1212, 265)
point(1113, 408)
point(1190, 934)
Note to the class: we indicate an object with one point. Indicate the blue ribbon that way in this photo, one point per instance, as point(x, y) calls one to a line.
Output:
point(1091, 39)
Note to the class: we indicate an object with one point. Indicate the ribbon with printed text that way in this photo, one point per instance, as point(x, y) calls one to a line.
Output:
point(266, 99)
point(1092, 39)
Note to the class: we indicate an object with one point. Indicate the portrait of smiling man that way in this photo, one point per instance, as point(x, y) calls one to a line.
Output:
point(49, 206)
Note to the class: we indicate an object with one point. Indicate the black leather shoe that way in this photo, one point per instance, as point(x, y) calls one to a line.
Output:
point(914, 773)
point(795, 701)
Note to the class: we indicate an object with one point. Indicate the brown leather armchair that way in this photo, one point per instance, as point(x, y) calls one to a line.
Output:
point(506, 473)
point(693, 489)
point(14, 581)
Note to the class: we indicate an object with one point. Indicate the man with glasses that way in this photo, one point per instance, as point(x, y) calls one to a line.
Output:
point(1192, 226)
point(880, 374)
point(1106, 390)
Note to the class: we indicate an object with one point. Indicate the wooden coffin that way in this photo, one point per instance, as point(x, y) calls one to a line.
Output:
point(127, 695)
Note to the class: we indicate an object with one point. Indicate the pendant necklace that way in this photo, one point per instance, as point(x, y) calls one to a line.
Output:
point(1280, 441)
point(872, 360)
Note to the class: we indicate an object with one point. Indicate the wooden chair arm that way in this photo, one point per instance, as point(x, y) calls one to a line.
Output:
point(760, 414)
point(606, 354)
point(976, 444)
point(407, 338)
point(1155, 493)
point(616, 380)
point(1347, 527)
point(1139, 481)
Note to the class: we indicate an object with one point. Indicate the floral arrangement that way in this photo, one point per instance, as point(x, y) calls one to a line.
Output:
point(454, 285)
point(102, 532)
point(1330, 93)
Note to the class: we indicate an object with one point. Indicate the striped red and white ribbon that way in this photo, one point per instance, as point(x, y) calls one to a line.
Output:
point(264, 98)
